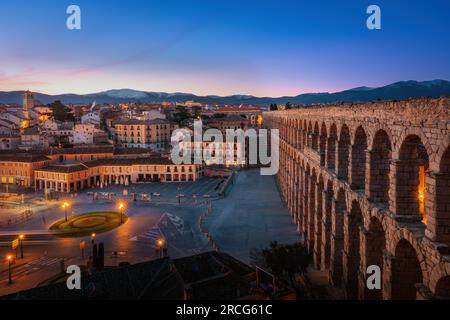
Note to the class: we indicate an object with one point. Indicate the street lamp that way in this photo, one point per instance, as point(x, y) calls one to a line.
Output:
point(21, 237)
point(93, 238)
point(121, 206)
point(65, 205)
point(160, 245)
point(9, 258)
point(82, 247)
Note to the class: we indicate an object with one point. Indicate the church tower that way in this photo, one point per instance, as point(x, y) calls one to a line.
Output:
point(28, 103)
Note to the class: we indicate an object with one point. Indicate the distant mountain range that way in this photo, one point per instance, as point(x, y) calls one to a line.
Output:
point(395, 91)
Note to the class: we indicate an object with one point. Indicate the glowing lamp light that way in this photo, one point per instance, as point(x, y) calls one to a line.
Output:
point(160, 242)
point(21, 237)
point(121, 205)
point(65, 205)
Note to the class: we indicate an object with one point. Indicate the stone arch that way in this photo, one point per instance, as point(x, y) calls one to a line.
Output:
point(406, 271)
point(358, 161)
point(343, 153)
point(309, 135)
point(327, 225)
point(409, 184)
point(379, 168)
point(438, 155)
point(352, 257)
point(305, 133)
point(441, 201)
point(337, 242)
point(312, 210)
point(318, 223)
point(442, 290)
point(299, 134)
point(405, 136)
point(323, 144)
point(306, 192)
point(300, 219)
point(375, 244)
point(331, 148)
point(315, 137)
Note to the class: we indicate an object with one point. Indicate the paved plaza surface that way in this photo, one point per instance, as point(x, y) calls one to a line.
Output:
point(249, 216)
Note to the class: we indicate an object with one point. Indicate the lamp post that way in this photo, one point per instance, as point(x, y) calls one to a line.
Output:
point(21, 237)
point(9, 258)
point(82, 247)
point(93, 238)
point(160, 245)
point(121, 206)
point(65, 205)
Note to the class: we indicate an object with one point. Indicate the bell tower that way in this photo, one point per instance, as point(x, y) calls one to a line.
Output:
point(28, 103)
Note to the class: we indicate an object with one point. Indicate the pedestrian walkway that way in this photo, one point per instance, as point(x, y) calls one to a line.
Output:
point(168, 223)
point(20, 271)
point(150, 236)
point(179, 238)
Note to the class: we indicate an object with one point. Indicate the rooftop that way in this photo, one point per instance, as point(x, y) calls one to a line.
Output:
point(81, 150)
point(31, 131)
point(63, 168)
point(142, 122)
point(162, 279)
point(81, 166)
point(128, 162)
point(148, 280)
point(23, 157)
point(40, 155)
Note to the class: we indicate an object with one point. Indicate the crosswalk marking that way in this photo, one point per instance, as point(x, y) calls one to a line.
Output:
point(31, 267)
point(167, 221)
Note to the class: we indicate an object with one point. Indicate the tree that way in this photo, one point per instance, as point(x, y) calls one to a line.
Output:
point(283, 260)
point(181, 114)
point(60, 111)
point(288, 106)
point(197, 111)
point(273, 107)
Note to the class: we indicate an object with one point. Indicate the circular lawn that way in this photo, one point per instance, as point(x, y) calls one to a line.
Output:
point(85, 224)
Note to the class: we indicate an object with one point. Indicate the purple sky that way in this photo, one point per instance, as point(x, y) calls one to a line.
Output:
point(263, 48)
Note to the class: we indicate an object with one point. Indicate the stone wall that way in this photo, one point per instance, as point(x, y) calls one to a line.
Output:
point(349, 174)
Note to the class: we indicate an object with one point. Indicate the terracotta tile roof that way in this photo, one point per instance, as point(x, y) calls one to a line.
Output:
point(87, 150)
point(143, 122)
point(23, 157)
point(63, 168)
point(128, 162)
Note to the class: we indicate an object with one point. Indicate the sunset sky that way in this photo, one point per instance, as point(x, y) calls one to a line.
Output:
point(263, 48)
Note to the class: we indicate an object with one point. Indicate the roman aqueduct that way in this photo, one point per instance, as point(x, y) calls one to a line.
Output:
point(369, 184)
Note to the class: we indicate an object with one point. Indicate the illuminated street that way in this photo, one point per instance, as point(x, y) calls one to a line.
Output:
point(135, 241)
